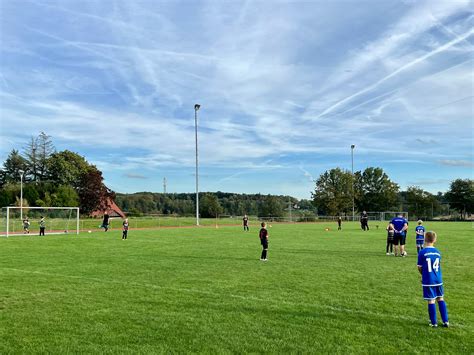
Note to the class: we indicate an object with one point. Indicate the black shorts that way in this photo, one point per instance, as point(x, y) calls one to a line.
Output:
point(390, 238)
point(264, 244)
point(399, 239)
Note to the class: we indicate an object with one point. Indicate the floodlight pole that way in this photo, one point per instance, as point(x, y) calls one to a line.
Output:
point(21, 193)
point(353, 204)
point(196, 109)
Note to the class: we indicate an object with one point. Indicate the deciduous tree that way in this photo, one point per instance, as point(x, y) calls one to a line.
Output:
point(375, 191)
point(333, 192)
point(461, 196)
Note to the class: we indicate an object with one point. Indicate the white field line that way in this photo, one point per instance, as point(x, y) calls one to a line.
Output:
point(361, 312)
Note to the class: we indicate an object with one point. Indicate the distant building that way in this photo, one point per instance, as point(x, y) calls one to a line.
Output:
point(112, 210)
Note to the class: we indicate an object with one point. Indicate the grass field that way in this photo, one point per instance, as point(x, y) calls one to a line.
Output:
point(93, 224)
point(204, 290)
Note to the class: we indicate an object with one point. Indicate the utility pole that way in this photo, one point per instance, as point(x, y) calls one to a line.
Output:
point(21, 193)
point(289, 208)
point(164, 185)
point(196, 108)
point(353, 203)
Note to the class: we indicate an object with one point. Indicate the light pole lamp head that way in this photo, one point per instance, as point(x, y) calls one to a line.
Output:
point(197, 107)
point(21, 172)
point(353, 146)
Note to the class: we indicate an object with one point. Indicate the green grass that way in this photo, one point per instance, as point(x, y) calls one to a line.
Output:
point(93, 224)
point(204, 290)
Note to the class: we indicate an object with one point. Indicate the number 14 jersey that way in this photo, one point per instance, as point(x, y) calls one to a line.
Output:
point(430, 261)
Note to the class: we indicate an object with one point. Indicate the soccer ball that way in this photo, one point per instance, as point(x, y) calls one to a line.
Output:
point(327, 229)
point(89, 231)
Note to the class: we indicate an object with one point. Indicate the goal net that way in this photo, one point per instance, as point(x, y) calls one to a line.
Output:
point(57, 220)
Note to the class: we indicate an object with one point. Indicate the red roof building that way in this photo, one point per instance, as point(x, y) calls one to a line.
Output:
point(112, 210)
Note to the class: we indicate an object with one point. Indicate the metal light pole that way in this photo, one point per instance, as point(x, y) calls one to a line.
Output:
point(352, 159)
point(196, 109)
point(21, 193)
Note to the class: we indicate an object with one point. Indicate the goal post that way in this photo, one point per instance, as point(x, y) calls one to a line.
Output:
point(57, 220)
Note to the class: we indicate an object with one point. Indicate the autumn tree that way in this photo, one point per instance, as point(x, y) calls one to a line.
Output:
point(93, 194)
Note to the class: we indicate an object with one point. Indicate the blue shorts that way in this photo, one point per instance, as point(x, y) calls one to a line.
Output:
point(432, 292)
point(420, 241)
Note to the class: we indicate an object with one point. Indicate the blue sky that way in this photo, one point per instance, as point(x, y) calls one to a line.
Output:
point(285, 89)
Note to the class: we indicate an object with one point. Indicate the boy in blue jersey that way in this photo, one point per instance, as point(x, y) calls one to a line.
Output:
point(420, 236)
point(429, 266)
point(400, 226)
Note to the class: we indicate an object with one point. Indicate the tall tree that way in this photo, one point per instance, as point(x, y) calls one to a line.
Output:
point(333, 192)
point(31, 156)
point(375, 190)
point(45, 149)
point(93, 194)
point(66, 168)
point(461, 196)
point(12, 167)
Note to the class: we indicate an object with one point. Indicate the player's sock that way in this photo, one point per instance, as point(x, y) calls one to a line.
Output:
point(443, 310)
point(264, 254)
point(432, 313)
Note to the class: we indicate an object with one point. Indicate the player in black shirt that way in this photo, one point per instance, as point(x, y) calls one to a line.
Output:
point(245, 220)
point(364, 221)
point(264, 241)
point(105, 222)
point(339, 223)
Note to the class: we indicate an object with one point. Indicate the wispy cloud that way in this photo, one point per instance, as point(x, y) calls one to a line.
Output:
point(424, 182)
point(135, 176)
point(453, 162)
point(122, 77)
point(307, 174)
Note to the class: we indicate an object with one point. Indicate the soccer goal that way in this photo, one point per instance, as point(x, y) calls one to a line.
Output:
point(57, 220)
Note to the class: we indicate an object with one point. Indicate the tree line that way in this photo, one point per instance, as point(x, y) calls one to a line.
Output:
point(373, 190)
point(64, 178)
point(51, 178)
point(211, 204)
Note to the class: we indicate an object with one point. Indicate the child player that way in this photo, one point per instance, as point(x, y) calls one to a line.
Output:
point(264, 241)
point(420, 236)
point(245, 221)
point(390, 237)
point(429, 266)
point(125, 229)
point(42, 224)
point(26, 226)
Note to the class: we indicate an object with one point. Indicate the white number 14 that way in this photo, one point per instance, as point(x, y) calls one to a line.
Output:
point(435, 265)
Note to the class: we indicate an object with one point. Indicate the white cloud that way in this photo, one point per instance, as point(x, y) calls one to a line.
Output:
point(124, 76)
point(453, 162)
